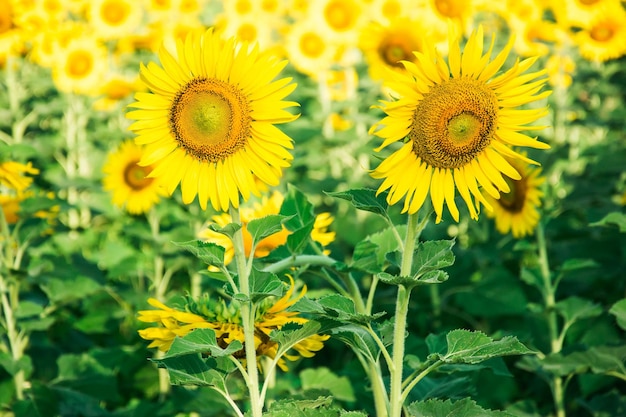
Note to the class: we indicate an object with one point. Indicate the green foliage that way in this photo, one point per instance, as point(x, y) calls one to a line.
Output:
point(461, 408)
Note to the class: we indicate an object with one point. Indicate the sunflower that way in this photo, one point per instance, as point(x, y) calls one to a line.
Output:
point(455, 122)
point(386, 46)
point(604, 36)
point(12, 175)
point(129, 182)
point(340, 20)
point(112, 19)
point(310, 51)
point(267, 206)
point(80, 65)
point(225, 320)
point(209, 121)
point(516, 211)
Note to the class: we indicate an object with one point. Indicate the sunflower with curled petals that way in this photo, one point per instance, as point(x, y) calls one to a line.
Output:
point(225, 320)
point(517, 211)
point(208, 122)
point(457, 121)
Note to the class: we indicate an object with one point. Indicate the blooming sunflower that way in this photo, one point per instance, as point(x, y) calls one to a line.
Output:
point(456, 121)
point(225, 320)
point(112, 19)
point(267, 206)
point(129, 182)
point(516, 211)
point(80, 65)
point(310, 50)
point(604, 36)
point(386, 46)
point(208, 122)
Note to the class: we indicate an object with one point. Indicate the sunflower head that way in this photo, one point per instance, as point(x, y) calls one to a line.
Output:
point(208, 120)
point(517, 211)
point(456, 121)
point(12, 175)
point(128, 182)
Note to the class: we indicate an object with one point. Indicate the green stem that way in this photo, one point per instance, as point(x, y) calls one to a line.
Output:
point(418, 378)
point(402, 308)
point(248, 312)
point(15, 341)
point(556, 343)
point(300, 260)
point(381, 402)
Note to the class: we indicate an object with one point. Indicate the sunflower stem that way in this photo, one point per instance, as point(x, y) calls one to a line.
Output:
point(402, 307)
point(247, 317)
point(556, 342)
point(300, 260)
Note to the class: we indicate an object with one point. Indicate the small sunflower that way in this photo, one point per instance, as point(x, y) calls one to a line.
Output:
point(80, 65)
point(128, 181)
point(604, 36)
point(113, 19)
point(267, 206)
point(225, 320)
point(209, 121)
point(516, 211)
point(310, 51)
point(12, 175)
point(386, 46)
point(456, 121)
point(340, 20)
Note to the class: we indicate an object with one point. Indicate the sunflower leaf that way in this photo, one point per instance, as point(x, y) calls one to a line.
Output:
point(471, 347)
point(229, 230)
point(201, 341)
point(264, 284)
point(266, 226)
point(619, 311)
point(432, 255)
point(298, 208)
point(612, 219)
point(364, 199)
point(207, 252)
point(287, 338)
point(191, 370)
point(461, 408)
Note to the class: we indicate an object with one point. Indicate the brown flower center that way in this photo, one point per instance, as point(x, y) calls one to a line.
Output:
point(514, 200)
point(210, 119)
point(136, 177)
point(454, 122)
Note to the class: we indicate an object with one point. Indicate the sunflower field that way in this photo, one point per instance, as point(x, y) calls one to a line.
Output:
point(386, 208)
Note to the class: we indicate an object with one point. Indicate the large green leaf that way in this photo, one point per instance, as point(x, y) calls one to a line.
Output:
point(324, 379)
point(201, 341)
point(619, 311)
point(448, 408)
point(365, 199)
point(464, 346)
point(207, 252)
point(266, 226)
point(573, 309)
point(432, 255)
point(615, 218)
point(191, 370)
point(264, 284)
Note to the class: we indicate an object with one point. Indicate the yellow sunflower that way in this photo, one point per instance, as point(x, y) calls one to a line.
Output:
point(128, 182)
point(516, 211)
point(604, 36)
point(267, 206)
point(80, 65)
point(456, 121)
point(310, 51)
point(225, 320)
point(112, 19)
point(386, 46)
point(209, 121)
point(340, 20)
point(12, 175)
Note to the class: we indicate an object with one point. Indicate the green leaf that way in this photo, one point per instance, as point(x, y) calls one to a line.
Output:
point(432, 255)
point(574, 264)
point(201, 341)
point(320, 407)
point(229, 230)
point(615, 218)
point(266, 226)
point(448, 408)
point(70, 288)
point(287, 339)
point(298, 209)
point(264, 284)
point(365, 257)
point(191, 370)
point(619, 311)
point(464, 346)
point(12, 366)
point(324, 379)
point(359, 340)
point(432, 277)
point(576, 308)
point(207, 252)
point(597, 359)
point(340, 308)
point(365, 199)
